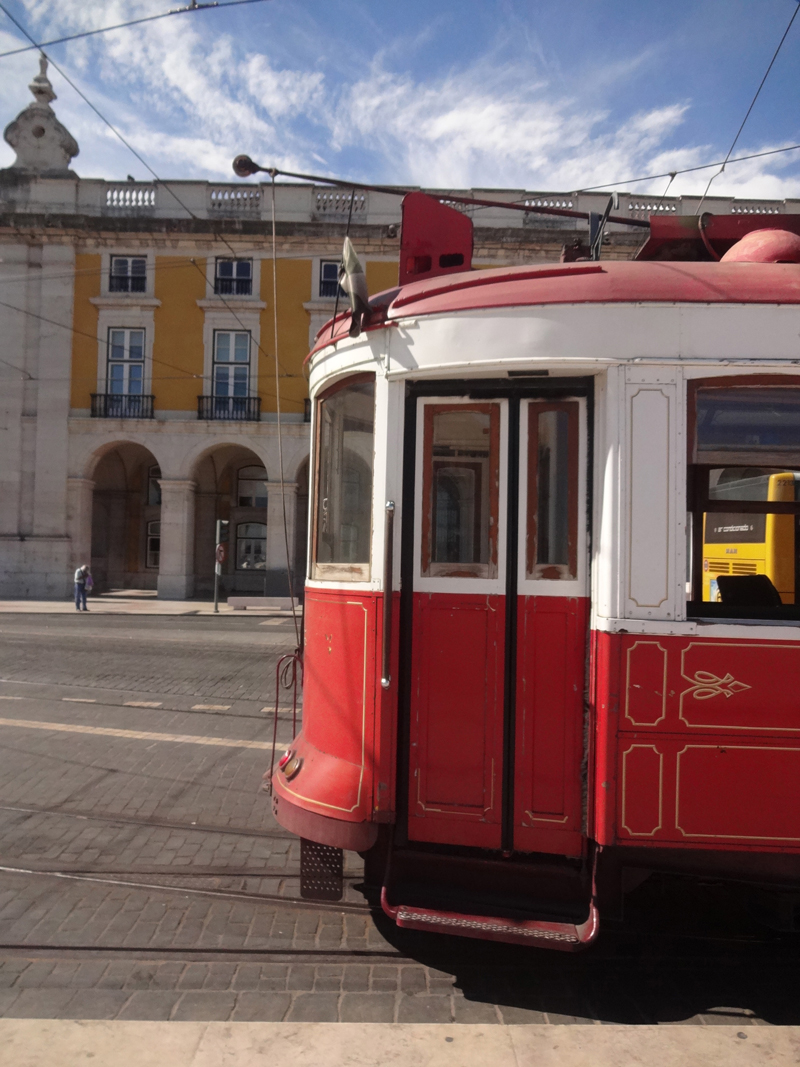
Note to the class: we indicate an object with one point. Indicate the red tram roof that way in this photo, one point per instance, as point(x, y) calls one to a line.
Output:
point(581, 283)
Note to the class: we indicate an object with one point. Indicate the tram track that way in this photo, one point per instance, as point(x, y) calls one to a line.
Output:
point(160, 824)
point(271, 898)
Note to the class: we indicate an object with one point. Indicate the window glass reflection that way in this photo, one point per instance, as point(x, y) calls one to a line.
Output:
point(460, 488)
point(346, 429)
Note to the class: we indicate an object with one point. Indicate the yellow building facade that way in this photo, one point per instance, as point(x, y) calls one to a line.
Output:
point(138, 393)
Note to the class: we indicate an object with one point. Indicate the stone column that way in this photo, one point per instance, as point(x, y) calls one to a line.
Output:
point(176, 573)
point(276, 546)
point(79, 519)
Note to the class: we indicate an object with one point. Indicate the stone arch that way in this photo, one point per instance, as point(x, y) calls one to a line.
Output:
point(87, 464)
point(245, 503)
point(125, 516)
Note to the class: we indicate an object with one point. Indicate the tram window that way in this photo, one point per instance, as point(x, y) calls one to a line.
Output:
point(745, 500)
point(251, 546)
point(343, 497)
point(460, 490)
point(552, 549)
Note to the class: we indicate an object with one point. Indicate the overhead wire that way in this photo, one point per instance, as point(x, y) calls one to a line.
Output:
point(752, 105)
point(133, 22)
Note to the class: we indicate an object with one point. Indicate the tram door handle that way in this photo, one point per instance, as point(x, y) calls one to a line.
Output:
point(388, 571)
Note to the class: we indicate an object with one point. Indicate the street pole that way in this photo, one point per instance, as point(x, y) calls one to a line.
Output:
point(217, 565)
point(220, 555)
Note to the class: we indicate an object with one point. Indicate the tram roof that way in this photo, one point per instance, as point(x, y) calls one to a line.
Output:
point(637, 282)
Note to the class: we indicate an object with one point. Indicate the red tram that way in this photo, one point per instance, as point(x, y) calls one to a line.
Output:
point(515, 690)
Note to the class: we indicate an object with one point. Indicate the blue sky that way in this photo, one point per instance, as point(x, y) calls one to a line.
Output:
point(527, 94)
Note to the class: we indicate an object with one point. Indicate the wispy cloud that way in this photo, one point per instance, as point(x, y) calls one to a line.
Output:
point(309, 94)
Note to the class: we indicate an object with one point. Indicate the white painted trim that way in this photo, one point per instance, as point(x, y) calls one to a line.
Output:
point(580, 339)
point(482, 586)
point(128, 318)
point(234, 300)
point(540, 586)
point(148, 253)
point(226, 320)
point(733, 629)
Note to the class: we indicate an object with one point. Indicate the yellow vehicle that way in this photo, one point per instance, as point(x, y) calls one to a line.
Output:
point(738, 544)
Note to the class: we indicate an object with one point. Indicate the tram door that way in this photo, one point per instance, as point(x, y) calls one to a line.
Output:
point(499, 624)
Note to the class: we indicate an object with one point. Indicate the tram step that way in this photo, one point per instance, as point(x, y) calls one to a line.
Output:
point(521, 899)
point(565, 937)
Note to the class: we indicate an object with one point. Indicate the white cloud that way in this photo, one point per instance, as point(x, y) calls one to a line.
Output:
point(190, 97)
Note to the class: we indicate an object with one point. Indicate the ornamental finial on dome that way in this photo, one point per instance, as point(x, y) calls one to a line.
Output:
point(44, 147)
point(41, 88)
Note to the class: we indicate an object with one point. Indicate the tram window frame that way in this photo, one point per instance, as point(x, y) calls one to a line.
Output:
point(339, 571)
point(430, 568)
point(702, 502)
point(552, 571)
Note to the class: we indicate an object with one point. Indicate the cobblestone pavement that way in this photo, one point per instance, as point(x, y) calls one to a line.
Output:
point(143, 877)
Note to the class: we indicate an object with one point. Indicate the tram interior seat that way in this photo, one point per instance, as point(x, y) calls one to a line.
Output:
point(748, 591)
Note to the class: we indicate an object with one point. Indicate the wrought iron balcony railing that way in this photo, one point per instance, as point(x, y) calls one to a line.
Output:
point(116, 406)
point(233, 408)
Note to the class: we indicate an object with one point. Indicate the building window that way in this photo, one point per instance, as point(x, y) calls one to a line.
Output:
point(744, 502)
point(153, 486)
point(252, 487)
point(343, 490)
point(125, 373)
point(329, 278)
point(153, 544)
point(128, 274)
point(233, 277)
point(231, 363)
point(251, 546)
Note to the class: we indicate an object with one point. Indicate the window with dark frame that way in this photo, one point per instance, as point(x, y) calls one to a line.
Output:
point(233, 277)
point(251, 546)
point(128, 274)
point(153, 544)
point(125, 364)
point(329, 279)
point(231, 377)
point(744, 499)
point(251, 487)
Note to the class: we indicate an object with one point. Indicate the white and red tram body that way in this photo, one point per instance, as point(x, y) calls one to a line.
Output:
point(551, 699)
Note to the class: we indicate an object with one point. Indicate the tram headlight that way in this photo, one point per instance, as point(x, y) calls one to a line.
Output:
point(290, 765)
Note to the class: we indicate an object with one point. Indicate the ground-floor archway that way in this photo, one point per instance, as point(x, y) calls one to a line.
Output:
point(233, 484)
point(126, 519)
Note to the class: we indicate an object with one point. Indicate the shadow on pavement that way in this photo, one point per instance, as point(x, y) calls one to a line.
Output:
point(683, 951)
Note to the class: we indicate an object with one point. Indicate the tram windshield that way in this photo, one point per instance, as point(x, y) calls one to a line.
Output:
point(343, 492)
point(745, 543)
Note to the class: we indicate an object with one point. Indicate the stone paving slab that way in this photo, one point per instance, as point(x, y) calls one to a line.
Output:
point(245, 1044)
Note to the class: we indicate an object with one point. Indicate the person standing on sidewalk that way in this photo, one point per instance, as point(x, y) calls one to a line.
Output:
point(83, 582)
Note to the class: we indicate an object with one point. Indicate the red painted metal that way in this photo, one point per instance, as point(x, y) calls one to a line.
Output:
point(580, 283)
point(564, 937)
point(680, 237)
point(551, 658)
point(702, 748)
point(456, 750)
point(355, 836)
point(435, 240)
point(765, 246)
